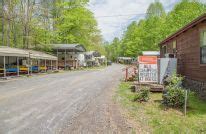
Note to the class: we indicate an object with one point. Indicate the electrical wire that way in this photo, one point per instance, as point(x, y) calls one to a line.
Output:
point(120, 15)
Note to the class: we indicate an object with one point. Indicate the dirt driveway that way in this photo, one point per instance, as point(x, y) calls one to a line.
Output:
point(71, 102)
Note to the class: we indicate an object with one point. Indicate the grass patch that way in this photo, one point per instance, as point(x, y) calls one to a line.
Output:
point(154, 118)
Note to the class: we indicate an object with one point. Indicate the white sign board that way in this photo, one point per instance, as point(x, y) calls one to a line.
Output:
point(148, 71)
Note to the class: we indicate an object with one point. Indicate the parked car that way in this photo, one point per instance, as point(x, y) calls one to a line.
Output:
point(109, 62)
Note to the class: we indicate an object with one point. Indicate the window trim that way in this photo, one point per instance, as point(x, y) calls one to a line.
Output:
point(174, 47)
point(165, 50)
point(202, 46)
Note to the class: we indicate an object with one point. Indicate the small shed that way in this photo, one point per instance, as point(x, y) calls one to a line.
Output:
point(68, 55)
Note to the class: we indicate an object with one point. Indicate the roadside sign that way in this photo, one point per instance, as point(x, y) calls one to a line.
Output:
point(148, 71)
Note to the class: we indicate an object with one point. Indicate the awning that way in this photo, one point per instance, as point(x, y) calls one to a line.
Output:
point(41, 55)
point(8, 51)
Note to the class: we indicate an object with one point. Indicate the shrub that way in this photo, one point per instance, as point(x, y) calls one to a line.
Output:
point(142, 95)
point(174, 94)
point(174, 97)
point(174, 80)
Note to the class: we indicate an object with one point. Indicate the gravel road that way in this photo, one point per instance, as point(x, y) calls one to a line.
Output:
point(70, 102)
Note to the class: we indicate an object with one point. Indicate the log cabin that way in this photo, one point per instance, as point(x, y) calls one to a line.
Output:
point(188, 45)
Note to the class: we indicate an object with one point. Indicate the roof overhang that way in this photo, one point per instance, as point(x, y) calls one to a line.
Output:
point(41, 55)
point(192, 24)
point(15, 52)
point(68, 48)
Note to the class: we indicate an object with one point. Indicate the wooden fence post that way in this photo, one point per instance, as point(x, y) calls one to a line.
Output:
point(126, 75)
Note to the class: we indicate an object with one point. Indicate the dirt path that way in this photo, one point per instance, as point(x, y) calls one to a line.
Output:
point(72, 102)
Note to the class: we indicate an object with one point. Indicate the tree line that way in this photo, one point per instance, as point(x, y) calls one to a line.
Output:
point(35, 24)
point(147, 33)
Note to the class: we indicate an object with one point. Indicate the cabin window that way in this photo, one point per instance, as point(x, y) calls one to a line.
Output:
point(174, 46)
point(203, 48)
point(164, 50)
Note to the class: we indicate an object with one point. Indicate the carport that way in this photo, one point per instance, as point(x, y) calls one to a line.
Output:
point(10, 59)
point(41, 62)
point(68, 55)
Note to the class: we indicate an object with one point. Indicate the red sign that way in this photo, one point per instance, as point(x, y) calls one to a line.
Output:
point(147, 59)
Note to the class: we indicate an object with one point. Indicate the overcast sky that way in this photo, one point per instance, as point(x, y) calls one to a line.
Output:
point(133, 9)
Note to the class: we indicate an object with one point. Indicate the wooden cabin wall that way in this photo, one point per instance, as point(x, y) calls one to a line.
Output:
point(188, 53)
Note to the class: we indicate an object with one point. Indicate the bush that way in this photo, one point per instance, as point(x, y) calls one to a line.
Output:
point(174, 97)
point(142, 95)
point(174, 94)
point(173, 80)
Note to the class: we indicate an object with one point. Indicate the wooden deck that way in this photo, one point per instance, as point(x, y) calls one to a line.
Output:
point(153, 86)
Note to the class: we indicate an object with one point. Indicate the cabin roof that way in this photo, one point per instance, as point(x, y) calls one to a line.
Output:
point(192, 24)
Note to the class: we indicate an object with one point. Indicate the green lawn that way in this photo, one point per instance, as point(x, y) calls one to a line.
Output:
point(153, 117)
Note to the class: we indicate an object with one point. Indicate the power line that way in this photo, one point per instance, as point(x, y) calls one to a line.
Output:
point(119, 15)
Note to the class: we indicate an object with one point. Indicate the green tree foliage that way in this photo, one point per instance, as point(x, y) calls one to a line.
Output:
point(77, 25)
point(155, 9)
point(149, 32)
point(114, 50)
point(37, 23)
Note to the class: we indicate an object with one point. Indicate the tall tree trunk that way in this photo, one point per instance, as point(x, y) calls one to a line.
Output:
point(27, 25)
point(9, 24)
point(3, 19)
point(14, 34)
point(8, 33)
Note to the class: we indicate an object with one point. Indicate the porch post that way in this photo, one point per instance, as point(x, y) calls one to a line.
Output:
point(57, 60)
point(57, 64)
point(51, 65)
point(65, 60)
point(31, 66)
point(38, 65)
point(28, 65)
point(45, 65)
point(4, 66)
point(17, 66)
